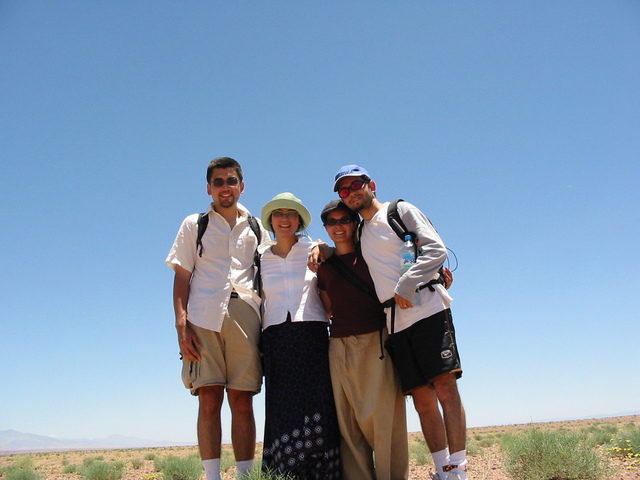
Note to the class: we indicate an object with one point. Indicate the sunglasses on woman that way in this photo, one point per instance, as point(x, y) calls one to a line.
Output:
point(280, 213)
point(330, 222)
point(357, 185)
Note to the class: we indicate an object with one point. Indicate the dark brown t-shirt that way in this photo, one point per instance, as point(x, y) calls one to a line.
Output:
point(354, 311)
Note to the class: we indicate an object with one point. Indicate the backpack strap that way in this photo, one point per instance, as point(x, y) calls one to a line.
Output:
point(395, 222)
point(253, 223)
point(355, 279)
point(257, 277)
point(203, 221)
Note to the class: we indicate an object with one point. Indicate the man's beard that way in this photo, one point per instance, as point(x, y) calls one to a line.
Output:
point(365, 202)
point(226, 202)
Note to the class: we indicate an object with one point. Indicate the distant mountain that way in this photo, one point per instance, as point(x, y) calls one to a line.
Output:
point(12, 442)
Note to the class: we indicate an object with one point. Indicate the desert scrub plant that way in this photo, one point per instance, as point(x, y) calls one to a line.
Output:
point(101, 470)
point(477, 443)
point(13, 473)
point(227, 460)
point(179, 468)
point(22, 468)
point(70, 468)
point(150, 456)
point(258, 474)
point(419, 452)
point(24, 462)
point(541, 455)
point(600, 434)
point(86, 461)
point(137, 463)
point(626, 443)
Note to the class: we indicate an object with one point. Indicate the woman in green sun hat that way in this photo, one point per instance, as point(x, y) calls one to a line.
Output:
point(301, 429)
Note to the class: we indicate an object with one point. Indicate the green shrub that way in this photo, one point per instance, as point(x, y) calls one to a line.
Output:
point(542, 455)
point(600, 434)
point(13, 473)
point(626, 443)
point(137, 463)
point(479, 442)
point(150, 456)
point(227, 460)
point(177, 468)
point(419, 452)
point(158, 463)
point(257, 474)
point(100, 470)
point(70, 468)
point(24, 462)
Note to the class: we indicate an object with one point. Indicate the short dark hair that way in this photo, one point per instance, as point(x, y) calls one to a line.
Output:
point(338, 205)
point(223, 162)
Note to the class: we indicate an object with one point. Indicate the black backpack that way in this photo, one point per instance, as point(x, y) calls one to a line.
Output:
point(203, 221)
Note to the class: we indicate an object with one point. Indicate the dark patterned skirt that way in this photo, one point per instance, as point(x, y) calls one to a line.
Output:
point(301, 434)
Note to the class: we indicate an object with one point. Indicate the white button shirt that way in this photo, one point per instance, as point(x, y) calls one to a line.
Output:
point(288, 286)
point(226, 265)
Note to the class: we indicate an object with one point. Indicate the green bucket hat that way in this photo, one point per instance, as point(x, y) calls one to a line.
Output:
point(285, 200)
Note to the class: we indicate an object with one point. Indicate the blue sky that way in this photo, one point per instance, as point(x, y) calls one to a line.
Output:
point(515, 126)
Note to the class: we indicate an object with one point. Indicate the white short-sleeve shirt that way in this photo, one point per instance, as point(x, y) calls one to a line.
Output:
point(226, 265)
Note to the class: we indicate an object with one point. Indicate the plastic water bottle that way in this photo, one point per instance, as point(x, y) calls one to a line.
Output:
point(407, 259)
point(407, 254)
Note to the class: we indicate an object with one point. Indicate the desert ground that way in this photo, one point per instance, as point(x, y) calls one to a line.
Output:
point(485, 460)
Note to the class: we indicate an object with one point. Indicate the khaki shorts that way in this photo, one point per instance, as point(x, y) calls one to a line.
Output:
point(230, 358)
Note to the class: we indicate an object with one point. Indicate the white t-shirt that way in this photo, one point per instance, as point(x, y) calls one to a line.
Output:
point(380, 248)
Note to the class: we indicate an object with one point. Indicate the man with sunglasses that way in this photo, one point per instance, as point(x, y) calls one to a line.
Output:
point(217, 316)
point(426, 355)
point(369, 403)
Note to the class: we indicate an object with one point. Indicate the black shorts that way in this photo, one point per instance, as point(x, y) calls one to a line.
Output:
point(426, 350)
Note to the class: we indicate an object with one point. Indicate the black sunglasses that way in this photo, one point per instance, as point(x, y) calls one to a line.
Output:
point(231, 181)
point(357, 185)
point(330, 222)
point(280, 213)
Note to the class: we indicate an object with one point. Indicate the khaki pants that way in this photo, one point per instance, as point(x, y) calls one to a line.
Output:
point(371, 409)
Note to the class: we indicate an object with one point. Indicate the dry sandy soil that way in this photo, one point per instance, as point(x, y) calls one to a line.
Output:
point(484, 464)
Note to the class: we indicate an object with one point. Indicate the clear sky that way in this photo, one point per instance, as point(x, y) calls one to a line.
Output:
point(515, 126)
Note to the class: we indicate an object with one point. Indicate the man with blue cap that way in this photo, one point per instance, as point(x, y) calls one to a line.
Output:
point(419, 322)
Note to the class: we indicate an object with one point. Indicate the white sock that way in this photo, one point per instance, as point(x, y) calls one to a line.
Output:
point(460, 459)
point(440, 460)
point(212, 469)
point(244, 467)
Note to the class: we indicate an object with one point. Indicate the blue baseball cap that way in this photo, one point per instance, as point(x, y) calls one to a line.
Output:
point(350, 171)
